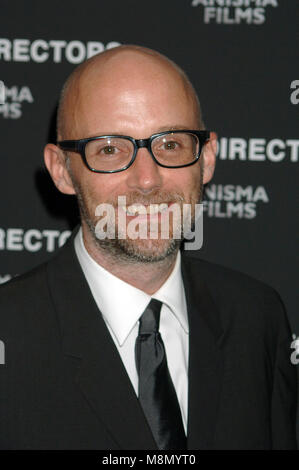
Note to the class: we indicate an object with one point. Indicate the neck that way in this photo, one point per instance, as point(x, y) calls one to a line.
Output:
point(146, 276)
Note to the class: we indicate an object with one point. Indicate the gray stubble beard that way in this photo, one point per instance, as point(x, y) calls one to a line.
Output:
point(124, 250)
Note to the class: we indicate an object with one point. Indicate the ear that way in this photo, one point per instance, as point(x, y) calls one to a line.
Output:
point(56, 165)
point(209, 155)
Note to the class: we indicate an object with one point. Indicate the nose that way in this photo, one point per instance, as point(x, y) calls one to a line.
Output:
point(144, 174)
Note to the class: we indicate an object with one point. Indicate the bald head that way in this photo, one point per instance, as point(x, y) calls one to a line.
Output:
point(119, 68)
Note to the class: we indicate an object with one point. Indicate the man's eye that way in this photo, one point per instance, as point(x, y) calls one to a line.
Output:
point(170, 145)
point(108, 150)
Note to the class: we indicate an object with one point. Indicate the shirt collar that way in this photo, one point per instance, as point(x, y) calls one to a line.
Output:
point(122, 304)
point(172, 294)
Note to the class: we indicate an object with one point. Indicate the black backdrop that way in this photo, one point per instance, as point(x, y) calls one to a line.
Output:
point(241, 55)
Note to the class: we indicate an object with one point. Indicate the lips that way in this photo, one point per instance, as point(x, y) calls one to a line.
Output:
point(146, 210)
point(150, 209)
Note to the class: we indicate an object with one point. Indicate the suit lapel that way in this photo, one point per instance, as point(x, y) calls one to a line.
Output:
point(205, 359)
point(101, 375)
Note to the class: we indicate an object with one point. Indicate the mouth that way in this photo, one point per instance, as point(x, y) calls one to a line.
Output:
point(146, 211)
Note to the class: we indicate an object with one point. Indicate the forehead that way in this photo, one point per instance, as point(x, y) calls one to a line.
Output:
point(129, 91)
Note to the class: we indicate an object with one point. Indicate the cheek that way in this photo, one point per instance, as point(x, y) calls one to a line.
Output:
point(96, 189)
point(99, 188)
point(186, 179)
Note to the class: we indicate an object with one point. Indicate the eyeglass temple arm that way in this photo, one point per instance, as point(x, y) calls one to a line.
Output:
point(68, 145)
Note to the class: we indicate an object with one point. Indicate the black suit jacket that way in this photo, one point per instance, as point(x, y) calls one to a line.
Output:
point(63, 384)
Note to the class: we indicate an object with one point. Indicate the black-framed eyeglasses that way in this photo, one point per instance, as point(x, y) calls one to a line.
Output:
point(114, 153)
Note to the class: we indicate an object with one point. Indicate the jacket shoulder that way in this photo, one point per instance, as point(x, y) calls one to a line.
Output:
point(227, 277)
point(238, 294)
point(33, 282)
point(26, 299)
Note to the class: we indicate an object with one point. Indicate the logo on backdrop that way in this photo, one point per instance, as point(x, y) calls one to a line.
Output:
point(40, 51)
point(294, 97)
point(4, 278)
point(15, 97)
point(18, 239)
point(234, 11)
point(258, 149)
point(227, 201)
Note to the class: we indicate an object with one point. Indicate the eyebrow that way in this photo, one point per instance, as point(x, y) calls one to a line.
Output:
point(160, 129)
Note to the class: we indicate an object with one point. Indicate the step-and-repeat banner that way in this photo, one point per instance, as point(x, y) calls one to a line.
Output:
point(242, 57)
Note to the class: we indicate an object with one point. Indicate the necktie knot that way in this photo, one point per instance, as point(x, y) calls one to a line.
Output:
point(150, 319)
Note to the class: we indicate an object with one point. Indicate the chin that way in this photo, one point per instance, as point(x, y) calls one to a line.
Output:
point(149, 250)
point(144, 251)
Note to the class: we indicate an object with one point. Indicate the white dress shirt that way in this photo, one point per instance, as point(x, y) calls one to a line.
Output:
point(122, 304)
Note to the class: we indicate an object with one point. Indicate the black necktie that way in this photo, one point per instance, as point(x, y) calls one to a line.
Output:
point(157, 394)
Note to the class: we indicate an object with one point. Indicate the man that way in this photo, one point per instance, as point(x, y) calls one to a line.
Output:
point(123, 342)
